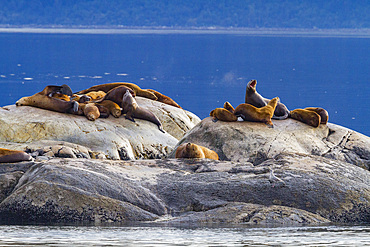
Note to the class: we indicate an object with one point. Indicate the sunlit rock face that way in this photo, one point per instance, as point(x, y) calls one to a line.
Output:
point(68, 135)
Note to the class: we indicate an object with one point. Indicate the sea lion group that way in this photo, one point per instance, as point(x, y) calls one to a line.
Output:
point(118, 99)
point(259, 109)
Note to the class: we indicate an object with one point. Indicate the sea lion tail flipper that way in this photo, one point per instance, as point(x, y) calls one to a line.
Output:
point(130, 118)
point(161, 129)
point(285, 116)
point(214, 120)
point(270, 124)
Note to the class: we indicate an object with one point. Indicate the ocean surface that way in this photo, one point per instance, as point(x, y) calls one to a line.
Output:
point(199, 70)
point(175, 236)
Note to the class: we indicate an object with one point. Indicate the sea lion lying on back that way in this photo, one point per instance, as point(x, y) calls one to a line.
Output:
point(263, 114)
point(10, 156)
point(133, 110)
point(255, 99)
point(109, 86)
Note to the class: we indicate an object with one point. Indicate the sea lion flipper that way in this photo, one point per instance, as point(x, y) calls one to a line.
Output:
point(214, 120)
point(75, 106)
point(130, 118)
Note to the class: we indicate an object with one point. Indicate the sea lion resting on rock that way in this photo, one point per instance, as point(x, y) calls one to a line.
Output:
point(51, 90)
point(116, 95)
point(164, 99)
point(255, 99)
point(191, 150)
point(10, 156)
point(251, 113)
point(92, 111)
point(133, 110)
point(109, 86)
point(306, 116)
point(322, 112)
point(43, 101)
point(112, 107)
point(225, 114)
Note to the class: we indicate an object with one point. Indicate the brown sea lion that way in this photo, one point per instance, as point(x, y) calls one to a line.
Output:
point(254, 98)
point(306, 116)
point(263, 114)
point(109, 86)
point(80, 98)
point(91, 111)
point(10, 156)
point(163, 98)
point(116, 95)
point(48, 103)
point(133, 110)
point(229, 107)
point(322, 112)
point(223, 115)
point(112, 107)
point(190, 150)
point(96, 95)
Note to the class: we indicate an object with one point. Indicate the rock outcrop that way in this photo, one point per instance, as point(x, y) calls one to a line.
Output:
point(291, 174)
point(255, 143)
point(67, 135)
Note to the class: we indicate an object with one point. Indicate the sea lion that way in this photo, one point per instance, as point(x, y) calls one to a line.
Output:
point(191, 150)
point(116, 95)
point(51, 90)
point(306, 116)
point(223, 115)
point(96, 95)
point(109, 86)
point(322, 112)
point(80, 98)
point(112, 107)
point(263, 114)
point(91, 111)
point(10, 156)
point(48, 103)
point(164, 99)
point(133, 110)
point(254, 98)
point(229, 107)
point(61, 96)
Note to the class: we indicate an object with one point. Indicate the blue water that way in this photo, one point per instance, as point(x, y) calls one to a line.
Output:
point(199, 71)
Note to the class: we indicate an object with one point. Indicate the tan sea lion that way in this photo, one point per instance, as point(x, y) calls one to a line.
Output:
point(191, 150)
point(109, 86)
point(96, 95)
point(223, 115)
point(112, 107)
point(10, 156)
point(80, 98)
point(263, 114)
point(91, 111)
point(48, 103)
point(133, 110)
point(163, 98)
point(61, 96)
point(255, 99)
point(306, 116)
point(322, 112)
point(229, 107)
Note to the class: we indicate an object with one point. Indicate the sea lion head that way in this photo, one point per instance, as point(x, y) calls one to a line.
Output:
point(252, 85)
point(22, 101)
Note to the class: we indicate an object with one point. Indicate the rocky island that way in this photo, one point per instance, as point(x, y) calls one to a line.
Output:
point(115, 170)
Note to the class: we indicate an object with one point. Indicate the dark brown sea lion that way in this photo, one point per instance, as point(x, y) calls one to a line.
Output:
point(133, 110)
point(306, 116)
point(191, 150)
point(322, 112)
point(254, 98)
point(116, 94)
point(51, 89)
point(112, 107)
point(223, 115)
point(263, 114)
point(109, 86)
point(163, 98)
point(48, 103)
point(10, 156)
